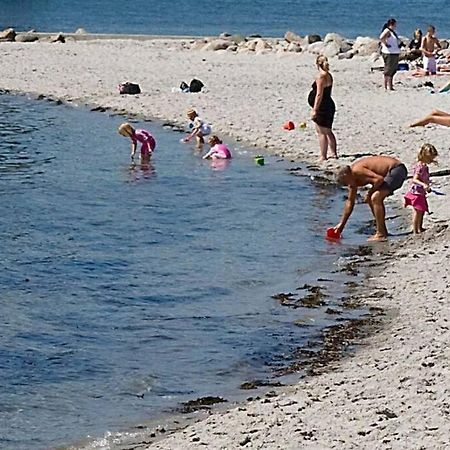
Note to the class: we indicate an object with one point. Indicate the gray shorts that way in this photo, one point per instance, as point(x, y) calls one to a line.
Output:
point(390, 63)
point(395, 178)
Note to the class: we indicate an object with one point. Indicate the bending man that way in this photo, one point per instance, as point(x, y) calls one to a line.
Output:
point(385, 174)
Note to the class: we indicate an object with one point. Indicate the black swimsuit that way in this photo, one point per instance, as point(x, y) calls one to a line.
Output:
point(327, 108)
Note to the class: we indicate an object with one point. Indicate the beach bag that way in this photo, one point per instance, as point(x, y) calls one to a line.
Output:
point(129, 88)
point(195, 85)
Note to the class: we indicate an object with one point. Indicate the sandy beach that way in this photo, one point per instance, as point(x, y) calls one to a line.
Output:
point(393, 391)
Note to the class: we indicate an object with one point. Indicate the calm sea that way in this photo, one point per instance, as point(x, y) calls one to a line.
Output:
point(125, 291)
point(203, 17)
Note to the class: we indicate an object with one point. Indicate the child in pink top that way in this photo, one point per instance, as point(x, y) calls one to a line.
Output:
point(138, 135)
point(218, 149)
point(420, 186)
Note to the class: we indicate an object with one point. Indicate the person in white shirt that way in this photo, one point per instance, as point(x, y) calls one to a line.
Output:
point(390, 50)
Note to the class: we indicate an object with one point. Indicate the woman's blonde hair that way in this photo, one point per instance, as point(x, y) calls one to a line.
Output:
point(126, 129)
point(322, 62)
point(427, 154)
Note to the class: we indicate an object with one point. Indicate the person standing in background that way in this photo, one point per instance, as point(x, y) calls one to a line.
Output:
point(390, 50)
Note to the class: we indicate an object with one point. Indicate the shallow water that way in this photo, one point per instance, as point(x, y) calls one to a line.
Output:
point(163, 17)
point(126, 291)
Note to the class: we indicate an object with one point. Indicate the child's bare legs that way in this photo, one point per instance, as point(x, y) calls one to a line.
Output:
point(200, 140)
point(436, 116)
point(326, 140)
point(418, 221)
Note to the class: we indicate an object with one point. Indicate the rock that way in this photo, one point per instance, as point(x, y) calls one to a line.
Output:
point(444, 44)
point(365, 46)
point(199, 44)
point(294, 47)
point(262, 45)
point(81, 31)
point(8, 35)
point(58, 38)
point(344, 46)
point(27, 37)
point(290, 36)
point(255, 36)
point(251, 45)
point(313, 38)
point(316, 48)
point(346, 55)
point(237, 38)
point(331, 49)
point(224, 35)
point(217, 44)
point(232, 48)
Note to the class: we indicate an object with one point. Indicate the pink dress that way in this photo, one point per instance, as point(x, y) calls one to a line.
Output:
point(219, 151)
point(147, 140)
point(417, 196)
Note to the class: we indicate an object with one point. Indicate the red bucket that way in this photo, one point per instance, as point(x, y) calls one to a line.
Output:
point(333, 234)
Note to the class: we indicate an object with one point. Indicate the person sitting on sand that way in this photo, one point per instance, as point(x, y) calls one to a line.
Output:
point(385, 173)
point(218, 149)
point(414, 47)
point(420, 186)
point(199, 128)
point(429, 46)
point(436, 116)
point(144, 137)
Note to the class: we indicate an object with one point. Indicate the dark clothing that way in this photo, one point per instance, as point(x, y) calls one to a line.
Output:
point(415, 44)
point(390, 63)
point(395, 178)
point(327, 108)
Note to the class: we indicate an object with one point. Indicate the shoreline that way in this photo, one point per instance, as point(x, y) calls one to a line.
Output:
point(366, 400)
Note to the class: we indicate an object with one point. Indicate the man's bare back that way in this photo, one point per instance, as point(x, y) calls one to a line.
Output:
point(371, 169)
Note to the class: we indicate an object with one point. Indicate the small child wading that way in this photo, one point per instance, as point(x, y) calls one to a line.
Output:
point(218, 149)
point(199, 128)
point(144, 137)
point(420, 186)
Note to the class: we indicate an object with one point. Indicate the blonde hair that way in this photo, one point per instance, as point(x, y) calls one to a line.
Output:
point(427, 154)
point(213, 140)
point(126, 130)
point(322, 62)
point(342, 175)
point(191, 112)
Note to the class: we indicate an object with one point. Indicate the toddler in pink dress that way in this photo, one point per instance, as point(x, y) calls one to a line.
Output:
point(218, 149)
point(143, 137)
point(420, 186)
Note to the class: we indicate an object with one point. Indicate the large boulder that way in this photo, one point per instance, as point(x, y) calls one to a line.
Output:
point(444, 44)
point(313, 38)
point(290, 36)
point(365, 46)
point(262, 45)
point(316, 48)
point(294, 47)
point(8, 35)
point(27, 37)
point(331, 49)
point(344, 45)
point(217, 44)
point(80, 31)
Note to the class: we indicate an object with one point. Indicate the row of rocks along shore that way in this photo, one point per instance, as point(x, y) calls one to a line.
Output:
point(331, 45)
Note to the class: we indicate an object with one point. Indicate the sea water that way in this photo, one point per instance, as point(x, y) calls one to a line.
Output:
point(351, 18)
point(127, 290)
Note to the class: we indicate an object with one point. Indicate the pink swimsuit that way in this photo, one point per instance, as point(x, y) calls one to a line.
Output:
point(219, 151)
point(416, 195)
point(146, 139)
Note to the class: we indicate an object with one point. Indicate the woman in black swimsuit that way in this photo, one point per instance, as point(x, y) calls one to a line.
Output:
point(323, 108)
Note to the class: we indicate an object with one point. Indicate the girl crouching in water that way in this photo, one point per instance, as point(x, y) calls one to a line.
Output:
point(218, 149)
point(420, 186)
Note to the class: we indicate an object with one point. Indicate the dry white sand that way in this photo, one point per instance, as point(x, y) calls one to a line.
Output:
point(392, 393)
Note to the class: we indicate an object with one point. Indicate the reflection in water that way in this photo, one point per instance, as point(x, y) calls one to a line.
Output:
point(140, 172)
point(220, 164)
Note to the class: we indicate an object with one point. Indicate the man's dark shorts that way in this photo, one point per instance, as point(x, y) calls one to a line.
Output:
point(395, 178)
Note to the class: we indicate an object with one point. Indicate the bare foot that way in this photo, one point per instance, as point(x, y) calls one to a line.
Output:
point(377, 238)
point(334, 156)
point(321, 159)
